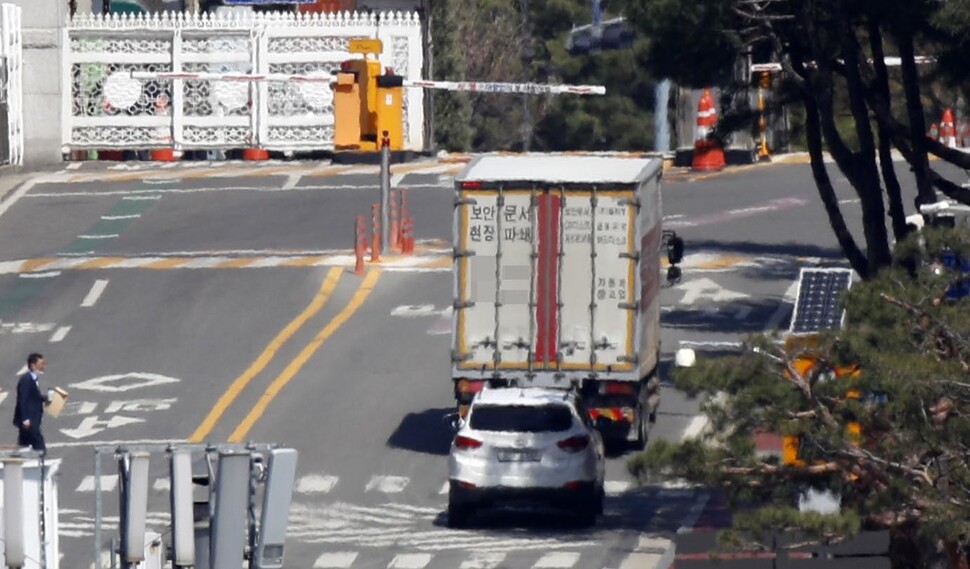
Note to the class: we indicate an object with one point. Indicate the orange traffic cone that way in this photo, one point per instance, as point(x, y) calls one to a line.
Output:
point(255, 154)
point(708, 154)
point(948, 131)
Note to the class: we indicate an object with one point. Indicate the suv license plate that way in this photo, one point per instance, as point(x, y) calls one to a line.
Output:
point(519, 456)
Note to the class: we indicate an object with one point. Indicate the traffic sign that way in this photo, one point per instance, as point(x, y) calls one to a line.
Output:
point(365, 45)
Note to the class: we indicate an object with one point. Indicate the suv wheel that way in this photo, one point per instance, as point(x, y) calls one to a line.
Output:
point(458, 513)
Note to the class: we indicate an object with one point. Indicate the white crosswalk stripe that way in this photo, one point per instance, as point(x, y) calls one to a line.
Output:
point(336, 560)
point(557, 560)
point(410, 561)
point(481, 560)
point(387, 484)
point(108, 483)
point(316, 484)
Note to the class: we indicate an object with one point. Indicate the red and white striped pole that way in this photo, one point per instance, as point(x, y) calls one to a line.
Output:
point(375, 246)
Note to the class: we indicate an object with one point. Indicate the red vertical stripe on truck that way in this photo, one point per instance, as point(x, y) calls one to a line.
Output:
point(547, 280)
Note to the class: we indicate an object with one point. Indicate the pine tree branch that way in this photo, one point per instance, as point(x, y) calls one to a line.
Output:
point(947, 341)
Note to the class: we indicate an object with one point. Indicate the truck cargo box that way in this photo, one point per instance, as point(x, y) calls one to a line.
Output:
point(557, 268)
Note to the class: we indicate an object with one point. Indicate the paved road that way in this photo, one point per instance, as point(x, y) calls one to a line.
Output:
point(218, 303)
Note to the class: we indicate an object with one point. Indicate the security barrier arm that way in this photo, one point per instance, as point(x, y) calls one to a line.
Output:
point(471, 86)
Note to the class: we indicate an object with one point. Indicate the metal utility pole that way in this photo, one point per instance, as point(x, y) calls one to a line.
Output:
point(385, 189)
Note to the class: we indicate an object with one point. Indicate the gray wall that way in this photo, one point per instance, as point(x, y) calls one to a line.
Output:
point(42, 21)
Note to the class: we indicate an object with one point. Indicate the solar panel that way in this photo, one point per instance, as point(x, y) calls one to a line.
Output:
point(818, 306)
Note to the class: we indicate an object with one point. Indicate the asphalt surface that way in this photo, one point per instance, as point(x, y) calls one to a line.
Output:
point(225, 308)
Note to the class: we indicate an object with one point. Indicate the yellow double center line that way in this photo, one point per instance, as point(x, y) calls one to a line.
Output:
point(269, 352)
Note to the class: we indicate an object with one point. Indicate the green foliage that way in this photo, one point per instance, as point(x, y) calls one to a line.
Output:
point(911, 398)
point(525, 41)
point(693, 41)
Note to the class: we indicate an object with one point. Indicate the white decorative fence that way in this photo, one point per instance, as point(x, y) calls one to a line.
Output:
point(11, 86)
point(104, 110)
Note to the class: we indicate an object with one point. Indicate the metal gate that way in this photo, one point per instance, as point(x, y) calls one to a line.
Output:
point(104, 110)
point(11, 86)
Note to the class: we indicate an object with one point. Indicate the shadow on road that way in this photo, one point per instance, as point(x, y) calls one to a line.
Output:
point(643, 509)
point(746, 316)
point(425, 432)
point(789, 249)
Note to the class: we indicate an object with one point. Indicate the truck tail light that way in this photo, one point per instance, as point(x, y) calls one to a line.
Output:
point(468, 386)
point(618, 388)
point(471, 185)
point(573, 485)
point(466, 443)
point(574, 444)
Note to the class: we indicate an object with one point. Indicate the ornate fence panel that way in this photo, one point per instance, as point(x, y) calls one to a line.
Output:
point(108, 111)
point(11, 86)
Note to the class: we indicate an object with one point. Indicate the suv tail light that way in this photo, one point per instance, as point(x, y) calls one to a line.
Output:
point(574, 444)
point(466, 443)
point(470, 386)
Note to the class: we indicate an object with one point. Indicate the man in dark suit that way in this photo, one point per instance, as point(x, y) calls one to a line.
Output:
point(30, 405)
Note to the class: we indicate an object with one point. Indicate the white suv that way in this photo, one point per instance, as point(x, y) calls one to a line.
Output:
point(526, 446)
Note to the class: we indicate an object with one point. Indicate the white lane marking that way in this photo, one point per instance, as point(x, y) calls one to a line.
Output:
point(557, 560)
point(21, 192)
point(23, 370)
point(650, 552)
point(335, 560)
point(784, 308)
point(60, 334)
point(157, 193)
point(117, 217)
point(73, 166)
point(396, 179)
point(410, 561)
point(129, 442)
point(3, 396)
point(45, 275)
point(99, 236)
point(73, 408)
point(108, 483)
point(414, 310)
point(124, 382)
point(316, 484)
point(614, 487)
point(694, 513)
point(712, 344)
point(695, 427)
point(140, 405)
point(162, 485)
point(387, 484)
point(291, 181)
point(24, 328)
point(152, 181)
point(480, 560)
point(444, 488)
point(95, 293)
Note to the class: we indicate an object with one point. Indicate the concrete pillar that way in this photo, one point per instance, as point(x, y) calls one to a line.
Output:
point(43, 21)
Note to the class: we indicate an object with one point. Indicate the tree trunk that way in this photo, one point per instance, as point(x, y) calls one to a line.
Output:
point(917, 125)
point(955, 555)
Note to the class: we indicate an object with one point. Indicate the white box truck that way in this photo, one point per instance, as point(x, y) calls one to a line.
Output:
point(557, 261)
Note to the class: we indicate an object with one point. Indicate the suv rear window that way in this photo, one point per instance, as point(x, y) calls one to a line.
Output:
point(521, 418)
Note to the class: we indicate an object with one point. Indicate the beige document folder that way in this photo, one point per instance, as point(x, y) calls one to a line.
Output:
point(56, 404)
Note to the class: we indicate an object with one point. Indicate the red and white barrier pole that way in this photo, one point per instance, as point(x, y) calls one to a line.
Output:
point(375, 246)
point(394, 235)
point(360, 244)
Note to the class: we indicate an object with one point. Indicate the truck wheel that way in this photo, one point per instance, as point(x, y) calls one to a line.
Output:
point(643, 433)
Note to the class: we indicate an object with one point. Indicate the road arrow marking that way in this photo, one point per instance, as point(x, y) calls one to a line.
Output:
point(706, 288)
point(92, 426)
point(123, 382)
